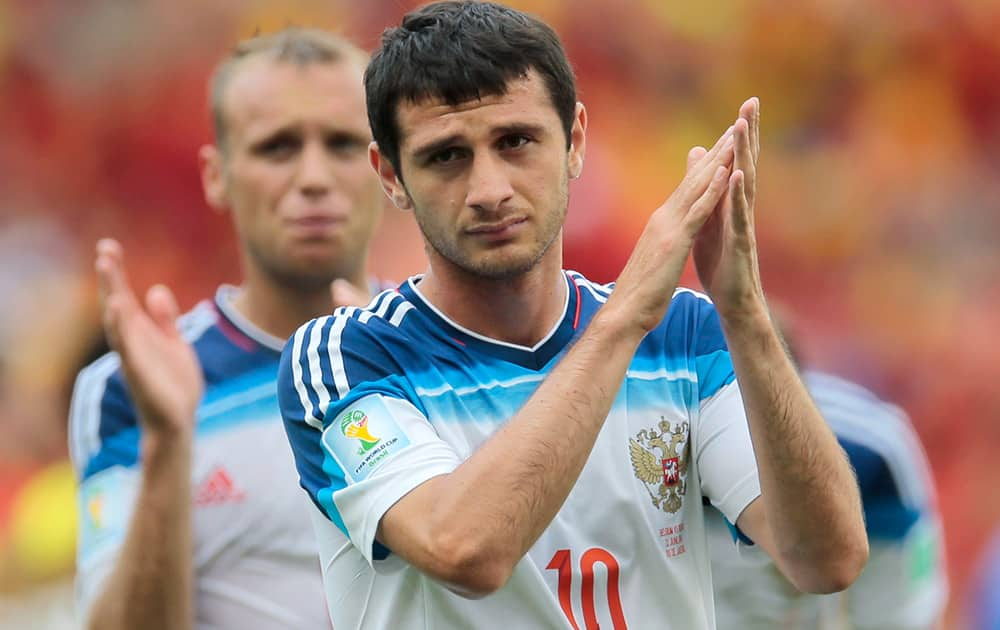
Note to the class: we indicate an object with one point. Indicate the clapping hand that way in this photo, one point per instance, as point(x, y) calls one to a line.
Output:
point(163, 374)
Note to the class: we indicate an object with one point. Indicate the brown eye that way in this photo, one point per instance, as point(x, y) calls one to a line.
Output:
point(447, 156)
point(514, 141)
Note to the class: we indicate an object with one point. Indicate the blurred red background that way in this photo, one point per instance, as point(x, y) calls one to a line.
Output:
point(877, 213)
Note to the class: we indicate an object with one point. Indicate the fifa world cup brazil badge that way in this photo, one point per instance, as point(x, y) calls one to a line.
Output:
point(660, 461)
point(363, 437)
point(354, 424)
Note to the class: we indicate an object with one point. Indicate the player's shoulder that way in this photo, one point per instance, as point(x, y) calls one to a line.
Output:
point(329, 356)
point(104, 373)
point(691, 324)
point(871, 430)
point(194, 324)
point(589, 289)
point(380, 318)
point(850, 408)
point(683, 300)
point(101, 406)
point(353, 337)
point(689, 301)
point(830, 385)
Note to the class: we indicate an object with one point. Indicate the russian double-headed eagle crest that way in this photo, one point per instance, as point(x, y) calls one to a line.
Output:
point(663, 476)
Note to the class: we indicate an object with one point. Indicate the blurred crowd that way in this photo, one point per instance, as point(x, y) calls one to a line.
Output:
point(877, 214)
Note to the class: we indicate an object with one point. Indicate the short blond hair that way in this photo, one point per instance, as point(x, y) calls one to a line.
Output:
point(296, 45)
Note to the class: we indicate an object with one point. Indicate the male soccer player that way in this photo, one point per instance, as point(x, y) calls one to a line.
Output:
point(190, 512)
point(904, 586)
point(502, 443)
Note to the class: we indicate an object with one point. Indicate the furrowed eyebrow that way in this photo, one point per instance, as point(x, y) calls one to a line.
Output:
point(428, 150)
point(526, 129)
point(272, 134)
point(423, 152)
point(347, 134)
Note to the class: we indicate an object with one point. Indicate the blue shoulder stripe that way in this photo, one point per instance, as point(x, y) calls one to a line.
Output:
point(85, 410)
point(318, 371)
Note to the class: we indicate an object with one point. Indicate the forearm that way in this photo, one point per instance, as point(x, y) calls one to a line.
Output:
point(486, 514)
point(151, 585)
point(808, 490)
point(528, 468)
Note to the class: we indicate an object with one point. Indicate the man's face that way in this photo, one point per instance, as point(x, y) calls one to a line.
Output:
point(294, 170)
point(488, 179)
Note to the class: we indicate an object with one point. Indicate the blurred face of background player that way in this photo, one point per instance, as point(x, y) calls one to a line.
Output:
point(291, 167)
point(488, 179)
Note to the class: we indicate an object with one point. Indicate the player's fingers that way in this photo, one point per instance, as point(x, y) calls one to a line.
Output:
point(742, 221)
point(112, 290)
point(720, 145)
point(701, 176)
point(756, 129)
point(741, 132)
point(694, 156)
point(720, 153)
point(162, 307)
point(747, 109)
point(748, 112)
point(745, 159)
point(111, 317)
point(344, 293)
point(702, 208)
point(111, 279)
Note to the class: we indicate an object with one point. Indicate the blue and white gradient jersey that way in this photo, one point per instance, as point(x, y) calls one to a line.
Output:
point(255, 556)
point(905, 584)
point(378, 400)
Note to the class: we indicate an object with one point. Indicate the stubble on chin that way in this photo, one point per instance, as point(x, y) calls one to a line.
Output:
point(296, 275)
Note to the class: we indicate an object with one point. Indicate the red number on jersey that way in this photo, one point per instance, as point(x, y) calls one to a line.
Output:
point(563, 563)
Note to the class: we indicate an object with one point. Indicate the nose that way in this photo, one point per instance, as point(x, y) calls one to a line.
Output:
point(489, 184)
point(314, 176)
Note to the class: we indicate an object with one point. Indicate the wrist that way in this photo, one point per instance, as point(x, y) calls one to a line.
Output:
point(751, 328)
point(617, 325)
point(166, 443)
point(750, 314)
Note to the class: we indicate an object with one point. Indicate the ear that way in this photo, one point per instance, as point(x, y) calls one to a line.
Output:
point(578, 141)
point(389, 179)
point(213, 178)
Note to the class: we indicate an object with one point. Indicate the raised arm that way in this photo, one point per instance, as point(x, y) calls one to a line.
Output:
point(808, 516)
point(151, 584)
point(469, 528)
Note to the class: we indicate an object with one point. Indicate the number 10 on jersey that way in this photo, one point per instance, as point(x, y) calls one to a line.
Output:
point(562, 562)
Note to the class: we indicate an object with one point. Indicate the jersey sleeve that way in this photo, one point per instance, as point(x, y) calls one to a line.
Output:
point(359, 434)
point(724, 453)
point(104, 448)
point(722, 450)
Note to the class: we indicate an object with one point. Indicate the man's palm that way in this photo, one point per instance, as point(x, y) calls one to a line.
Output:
point(164, 377)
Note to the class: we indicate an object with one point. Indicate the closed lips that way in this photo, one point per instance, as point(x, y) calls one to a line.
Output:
point(496, 227)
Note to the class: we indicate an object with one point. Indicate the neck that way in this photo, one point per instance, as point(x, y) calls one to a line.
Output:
point(279, 309)
point(520, 310)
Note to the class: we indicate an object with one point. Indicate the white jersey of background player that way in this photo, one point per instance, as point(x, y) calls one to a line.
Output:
point(191, 514)
point(503, 443)
point(904, 586)
point(254, 559)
